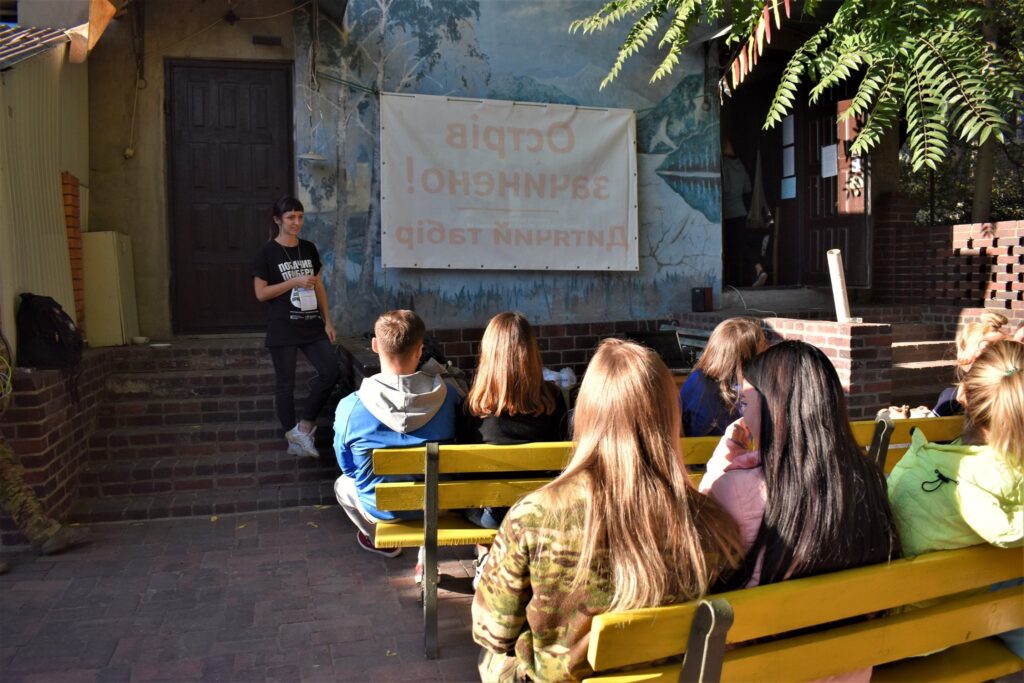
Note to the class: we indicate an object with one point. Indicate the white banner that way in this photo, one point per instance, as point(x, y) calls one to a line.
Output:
point(506, 185)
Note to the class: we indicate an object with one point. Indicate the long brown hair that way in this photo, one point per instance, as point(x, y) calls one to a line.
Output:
point(732, 343)
point(510, 376)
point(994, 397)
point(644, 524)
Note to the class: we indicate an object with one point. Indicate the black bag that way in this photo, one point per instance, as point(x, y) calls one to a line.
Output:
point(47, 337)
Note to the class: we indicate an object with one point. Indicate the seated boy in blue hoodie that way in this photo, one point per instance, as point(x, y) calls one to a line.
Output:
point(399, 407)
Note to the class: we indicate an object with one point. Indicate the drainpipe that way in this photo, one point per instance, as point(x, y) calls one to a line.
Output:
point(838, 278)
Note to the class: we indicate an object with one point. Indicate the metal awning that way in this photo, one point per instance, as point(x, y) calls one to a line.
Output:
point(18, 43)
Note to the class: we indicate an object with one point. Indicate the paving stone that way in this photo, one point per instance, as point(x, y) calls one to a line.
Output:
point(256, 596)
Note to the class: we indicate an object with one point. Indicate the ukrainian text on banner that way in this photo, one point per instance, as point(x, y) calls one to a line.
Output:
point(506, 185)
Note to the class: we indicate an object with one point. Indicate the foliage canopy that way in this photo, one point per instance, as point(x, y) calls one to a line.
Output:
point(925, 61)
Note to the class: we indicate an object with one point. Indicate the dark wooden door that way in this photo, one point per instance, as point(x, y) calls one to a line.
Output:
point(835, 208)
point(229, 158)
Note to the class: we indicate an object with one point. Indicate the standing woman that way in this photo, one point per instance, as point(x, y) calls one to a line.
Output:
point(286, 275)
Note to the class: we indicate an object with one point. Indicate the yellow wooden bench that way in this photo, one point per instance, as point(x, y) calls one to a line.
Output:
point(702, 630)
point(439, 491)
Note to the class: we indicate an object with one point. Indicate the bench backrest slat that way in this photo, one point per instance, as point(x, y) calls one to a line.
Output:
point(646, 635)
point(528, 457)
point(553, 456)
point(878, 641)
point(457, 494)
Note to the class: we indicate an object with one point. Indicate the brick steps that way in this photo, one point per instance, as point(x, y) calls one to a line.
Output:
point(174, 440)
point(201, 503)
point(920, 382)
point(918, 351)
point(130, 412)
point(181, 384)
point(235, 353)
point(911, 332)
point(220, 472)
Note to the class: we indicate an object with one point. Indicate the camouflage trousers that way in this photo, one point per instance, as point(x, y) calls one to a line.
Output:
point(19, 500)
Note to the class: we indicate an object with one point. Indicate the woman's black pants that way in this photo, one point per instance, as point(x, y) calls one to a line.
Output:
point(321, 356)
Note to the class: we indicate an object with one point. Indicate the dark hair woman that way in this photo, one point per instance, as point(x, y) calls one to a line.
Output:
point(806, 498)
point(286, 275)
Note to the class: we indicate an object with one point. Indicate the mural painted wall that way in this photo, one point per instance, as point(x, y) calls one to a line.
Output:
point(499, 50)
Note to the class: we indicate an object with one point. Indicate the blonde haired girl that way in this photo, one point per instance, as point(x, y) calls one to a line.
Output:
point(952, 496)
point(971, 340)
point(621, 528)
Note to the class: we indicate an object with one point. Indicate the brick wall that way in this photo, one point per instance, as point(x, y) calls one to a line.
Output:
point(861, 353)
point(49, 433)
point(998, 281)
point(972, 266)
point(72, 222)
point(569, 345)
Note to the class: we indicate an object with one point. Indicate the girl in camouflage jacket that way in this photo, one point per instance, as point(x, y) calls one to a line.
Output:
point(621, 528)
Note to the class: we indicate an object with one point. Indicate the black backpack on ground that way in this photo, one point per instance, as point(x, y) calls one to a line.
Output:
point(48, 338)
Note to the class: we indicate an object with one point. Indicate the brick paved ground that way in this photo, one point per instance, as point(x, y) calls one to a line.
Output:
point(269, 596)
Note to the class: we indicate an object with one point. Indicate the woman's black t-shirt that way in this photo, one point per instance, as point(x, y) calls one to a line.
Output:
point(287, 323)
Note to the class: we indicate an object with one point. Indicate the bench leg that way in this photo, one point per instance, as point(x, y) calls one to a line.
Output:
point(705, 647)
point(430, 552)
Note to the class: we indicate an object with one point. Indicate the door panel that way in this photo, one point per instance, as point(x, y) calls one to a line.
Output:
point(229, 159)
point(835, 208)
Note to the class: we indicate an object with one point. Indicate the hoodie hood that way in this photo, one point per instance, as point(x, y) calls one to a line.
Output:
point(403, 403)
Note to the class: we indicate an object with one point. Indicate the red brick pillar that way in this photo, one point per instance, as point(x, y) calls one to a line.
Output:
point(73, 224)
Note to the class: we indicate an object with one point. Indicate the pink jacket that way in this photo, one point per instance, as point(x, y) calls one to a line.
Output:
point(735, 480)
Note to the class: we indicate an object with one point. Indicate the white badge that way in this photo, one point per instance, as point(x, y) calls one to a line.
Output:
point(304, 299)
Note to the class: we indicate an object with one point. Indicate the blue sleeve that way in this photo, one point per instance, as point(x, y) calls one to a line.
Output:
point(341, 446)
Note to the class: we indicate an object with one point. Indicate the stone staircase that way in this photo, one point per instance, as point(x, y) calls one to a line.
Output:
point(922, 366)
point(190, 430)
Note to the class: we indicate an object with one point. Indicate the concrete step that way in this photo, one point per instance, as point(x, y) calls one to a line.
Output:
point(159, 385)
point(918, 351)
point(219, 472)
point(920, 382)
point(911, 332)
point(178, 440)
point(202, 503)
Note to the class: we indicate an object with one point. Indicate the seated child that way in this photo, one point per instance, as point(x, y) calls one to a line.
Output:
point(621, 528)
point(509, 402)
point(792, 475)
point(958, 495)
point(971, 339)
point(398, 407)
point(708, 397)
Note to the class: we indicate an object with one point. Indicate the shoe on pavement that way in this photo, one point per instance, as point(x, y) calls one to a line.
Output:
point(303, 440)
point(366, 544)
point(65, 538)
point(478, 565)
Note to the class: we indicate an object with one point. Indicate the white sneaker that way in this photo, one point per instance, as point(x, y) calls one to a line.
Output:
point(295, 449)
point(303, 441)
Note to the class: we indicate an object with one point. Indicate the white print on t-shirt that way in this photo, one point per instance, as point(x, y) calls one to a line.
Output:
point(301, 298)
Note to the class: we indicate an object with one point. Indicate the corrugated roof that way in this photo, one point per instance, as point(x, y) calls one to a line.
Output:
point(18, 43)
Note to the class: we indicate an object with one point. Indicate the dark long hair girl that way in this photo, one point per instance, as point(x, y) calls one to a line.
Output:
point(826, 507)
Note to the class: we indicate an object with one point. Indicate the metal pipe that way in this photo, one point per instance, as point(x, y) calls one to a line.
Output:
point(838, 278)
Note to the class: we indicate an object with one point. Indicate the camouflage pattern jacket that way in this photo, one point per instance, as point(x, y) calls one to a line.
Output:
point(523, 608)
